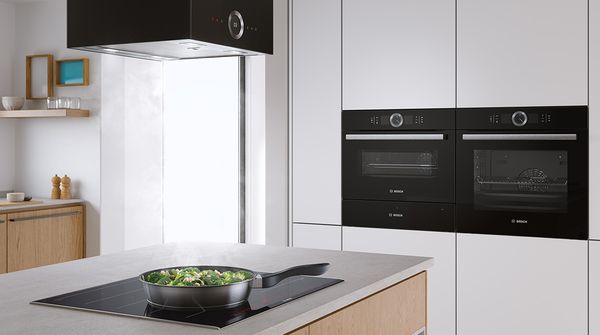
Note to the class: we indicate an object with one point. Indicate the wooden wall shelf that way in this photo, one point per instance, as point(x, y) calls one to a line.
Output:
point(50, 113)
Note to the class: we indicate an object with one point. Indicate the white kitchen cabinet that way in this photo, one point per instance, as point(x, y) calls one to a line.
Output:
point(441, 278)
point(521, 285)
point(316, 111)
point(594, 120)
point(594, 287)
point(521, 53)
point(398, 54)
point(317, 236)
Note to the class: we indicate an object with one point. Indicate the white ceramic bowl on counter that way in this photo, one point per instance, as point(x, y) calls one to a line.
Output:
point(15, 197)
point(13, 103)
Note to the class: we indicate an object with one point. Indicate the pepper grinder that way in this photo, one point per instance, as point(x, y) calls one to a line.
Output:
point(65, 192)
point(55, 187)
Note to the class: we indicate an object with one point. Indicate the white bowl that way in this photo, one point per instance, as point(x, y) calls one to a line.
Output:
point(15, 197)
point(13, 103)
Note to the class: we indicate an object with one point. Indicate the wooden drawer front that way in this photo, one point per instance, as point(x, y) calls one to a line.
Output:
point(3, 241)
point(398, 310)
point(45, 237)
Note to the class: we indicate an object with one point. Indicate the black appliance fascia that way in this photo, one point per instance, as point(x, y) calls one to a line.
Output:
point(398, 169)
point(523, 171)
point(170, 30)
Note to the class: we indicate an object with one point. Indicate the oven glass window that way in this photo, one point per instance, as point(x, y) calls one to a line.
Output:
point(520, 180)
point(420, 164)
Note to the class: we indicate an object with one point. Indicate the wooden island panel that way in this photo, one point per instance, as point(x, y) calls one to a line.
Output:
point(301, 331)
point(399, 310)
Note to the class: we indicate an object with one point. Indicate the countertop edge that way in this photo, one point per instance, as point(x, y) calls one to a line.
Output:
point(47, 204)
point(311, 316)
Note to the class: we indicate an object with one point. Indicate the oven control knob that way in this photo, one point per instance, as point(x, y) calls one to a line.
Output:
point(519, 118)
point(396, 120)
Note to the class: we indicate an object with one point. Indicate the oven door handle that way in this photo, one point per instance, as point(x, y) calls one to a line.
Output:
point(395, 137)
point(519, 137)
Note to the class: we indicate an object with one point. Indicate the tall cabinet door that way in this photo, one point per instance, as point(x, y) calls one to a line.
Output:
point(521, 285)
point(311, 236)
point(3, 257)
point(441, 277)
point(594, 118)
point(521, 53)
point(45, 237)
point(316, 111)
point(398, 54)
point(594, 287)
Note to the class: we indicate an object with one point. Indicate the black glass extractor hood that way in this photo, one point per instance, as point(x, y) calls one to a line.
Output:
point(171, 29)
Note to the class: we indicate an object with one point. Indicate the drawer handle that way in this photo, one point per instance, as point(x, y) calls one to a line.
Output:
point(31, 218)
point(519, 137)
point(395, 137)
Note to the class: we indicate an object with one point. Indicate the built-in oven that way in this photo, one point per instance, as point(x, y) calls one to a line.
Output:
point(398, 168)
point(522, 171)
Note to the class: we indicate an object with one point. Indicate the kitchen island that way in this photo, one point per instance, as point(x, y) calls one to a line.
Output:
point(374, 285)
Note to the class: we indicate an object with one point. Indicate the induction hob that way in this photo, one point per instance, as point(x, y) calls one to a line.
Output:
point(127, 298)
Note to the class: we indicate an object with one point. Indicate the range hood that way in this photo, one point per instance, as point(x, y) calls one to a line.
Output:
point(171, 29)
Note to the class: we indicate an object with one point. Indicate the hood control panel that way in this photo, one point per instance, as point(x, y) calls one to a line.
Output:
point(236, 24)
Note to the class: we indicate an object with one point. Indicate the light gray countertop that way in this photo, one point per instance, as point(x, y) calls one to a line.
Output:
point(45, 203)
point(363, 274)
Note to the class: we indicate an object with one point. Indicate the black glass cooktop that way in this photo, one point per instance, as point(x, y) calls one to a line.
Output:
point(127, 298)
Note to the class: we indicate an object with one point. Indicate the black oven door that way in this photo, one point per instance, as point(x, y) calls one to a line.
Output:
point(407, 166)
point(523, 184)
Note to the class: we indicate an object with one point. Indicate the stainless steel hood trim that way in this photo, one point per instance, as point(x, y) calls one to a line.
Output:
point(195, 49)
point(116, 52)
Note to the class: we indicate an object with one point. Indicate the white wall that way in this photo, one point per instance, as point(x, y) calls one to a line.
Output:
point(143, 153)
point(112, 178)
point(7, 39)
point(201, 150)
point(7, 134)
point(267, 143)
point(276, 118)
point(62, 146)
point(255, 151)
point(131, 153)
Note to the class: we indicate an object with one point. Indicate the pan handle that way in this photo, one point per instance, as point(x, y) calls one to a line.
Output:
point(272, 279)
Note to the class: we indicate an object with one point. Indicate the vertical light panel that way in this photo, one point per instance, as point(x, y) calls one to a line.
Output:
point(201, 150)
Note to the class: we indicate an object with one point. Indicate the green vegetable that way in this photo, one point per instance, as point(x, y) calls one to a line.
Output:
point(196, 277)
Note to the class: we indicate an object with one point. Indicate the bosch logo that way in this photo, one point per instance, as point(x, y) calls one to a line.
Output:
point(392, 191)
point(518, 221)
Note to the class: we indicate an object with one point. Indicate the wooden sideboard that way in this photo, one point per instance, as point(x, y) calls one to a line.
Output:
point(32, 238)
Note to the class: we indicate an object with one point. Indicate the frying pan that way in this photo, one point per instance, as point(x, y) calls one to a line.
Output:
point(219, 296)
